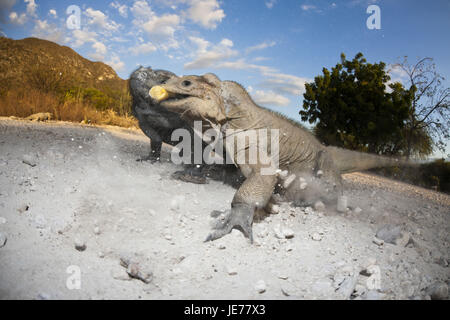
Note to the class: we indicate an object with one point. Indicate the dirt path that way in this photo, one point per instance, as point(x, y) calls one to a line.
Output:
point(63, 185)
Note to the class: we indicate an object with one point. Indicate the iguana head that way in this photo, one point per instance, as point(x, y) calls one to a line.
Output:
point(196, 97)
point(143, 79)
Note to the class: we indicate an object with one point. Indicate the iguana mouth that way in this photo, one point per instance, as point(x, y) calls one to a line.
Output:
point(176, 97)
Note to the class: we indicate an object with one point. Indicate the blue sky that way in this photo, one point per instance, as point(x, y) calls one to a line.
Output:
point(270, 46)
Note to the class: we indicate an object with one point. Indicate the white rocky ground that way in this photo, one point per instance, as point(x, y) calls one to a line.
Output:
point(64, 186)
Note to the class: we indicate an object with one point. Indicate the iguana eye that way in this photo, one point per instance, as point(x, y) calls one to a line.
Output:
point(186, 83)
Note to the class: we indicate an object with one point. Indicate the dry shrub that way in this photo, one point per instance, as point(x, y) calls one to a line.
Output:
point(25, 102)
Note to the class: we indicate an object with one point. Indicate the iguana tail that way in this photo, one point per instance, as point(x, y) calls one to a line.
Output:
point(351, 161)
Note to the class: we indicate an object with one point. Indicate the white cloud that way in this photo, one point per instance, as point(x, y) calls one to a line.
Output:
point(116, 64)
point(284, 83)
point(243, 65)
point(307, 7)
point(268, 98)
point(260, 46)
point(270, 3)
point(99, 48)
point(44, 30)
point(14, 17)
point(144, 48)
point(83, 36)
point(163, 26)
point(206, 13)
point(141, 11)
point(258, 59)
point(99, 19)
point(204, 57)
point(17, 19)
point(122, 8)
point(52, 12)
point(31, 8)
point(5, 8)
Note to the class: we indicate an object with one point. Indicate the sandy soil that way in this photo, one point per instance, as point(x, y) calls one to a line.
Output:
point(65, 185)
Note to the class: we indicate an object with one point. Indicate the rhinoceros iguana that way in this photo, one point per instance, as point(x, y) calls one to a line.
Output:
point(314, 170)
point(156, 121)
point(158, 124)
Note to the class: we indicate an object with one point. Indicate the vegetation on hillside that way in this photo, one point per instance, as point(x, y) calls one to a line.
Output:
point(40, 76)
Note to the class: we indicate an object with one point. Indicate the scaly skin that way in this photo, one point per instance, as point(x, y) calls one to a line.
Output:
point(307, 161)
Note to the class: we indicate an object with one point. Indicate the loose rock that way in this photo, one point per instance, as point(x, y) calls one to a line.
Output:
point(260, 286)
point(316, 236)
point(342, 204)
point(288, 233)
point(80, 245)
point(389, 233)
point(231, 271)
point(438, 291)
point(319, 206)
point(29, 160)
point(3, 239)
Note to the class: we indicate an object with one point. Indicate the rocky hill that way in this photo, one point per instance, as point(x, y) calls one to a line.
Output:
point(20, 58)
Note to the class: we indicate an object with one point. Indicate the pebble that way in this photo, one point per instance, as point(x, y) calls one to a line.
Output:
point(97, 230)
point(316, 236)
point(29, 160)
point(374, 281)
point(288, 233)
point(43, 296)
point(2, 220)
point(168, 237)
point(135, 270)
point(23, 208)
point(357, 210)
point(260, 286)
point(3, 239)
point(231, 271)
point(377, 241)
point(319, 206)
point(389, 233)
point(342, 204)
point(80, 245)
point(438, 291)
point(403, 240)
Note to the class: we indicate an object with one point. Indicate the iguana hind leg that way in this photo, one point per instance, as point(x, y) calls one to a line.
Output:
point(254, 193)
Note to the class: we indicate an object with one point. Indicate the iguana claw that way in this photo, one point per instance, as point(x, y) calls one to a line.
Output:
point(239, 217)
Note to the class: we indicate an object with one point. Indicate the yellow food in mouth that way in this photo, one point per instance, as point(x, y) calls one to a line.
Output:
point(158, 93)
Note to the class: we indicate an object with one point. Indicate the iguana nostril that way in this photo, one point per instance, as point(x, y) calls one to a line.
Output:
point(186, 83)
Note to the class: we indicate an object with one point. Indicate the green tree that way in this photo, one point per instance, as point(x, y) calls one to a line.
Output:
point(353, 107)
point(430, 109)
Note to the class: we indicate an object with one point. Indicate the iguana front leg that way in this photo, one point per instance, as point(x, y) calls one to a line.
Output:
point(253, 194)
